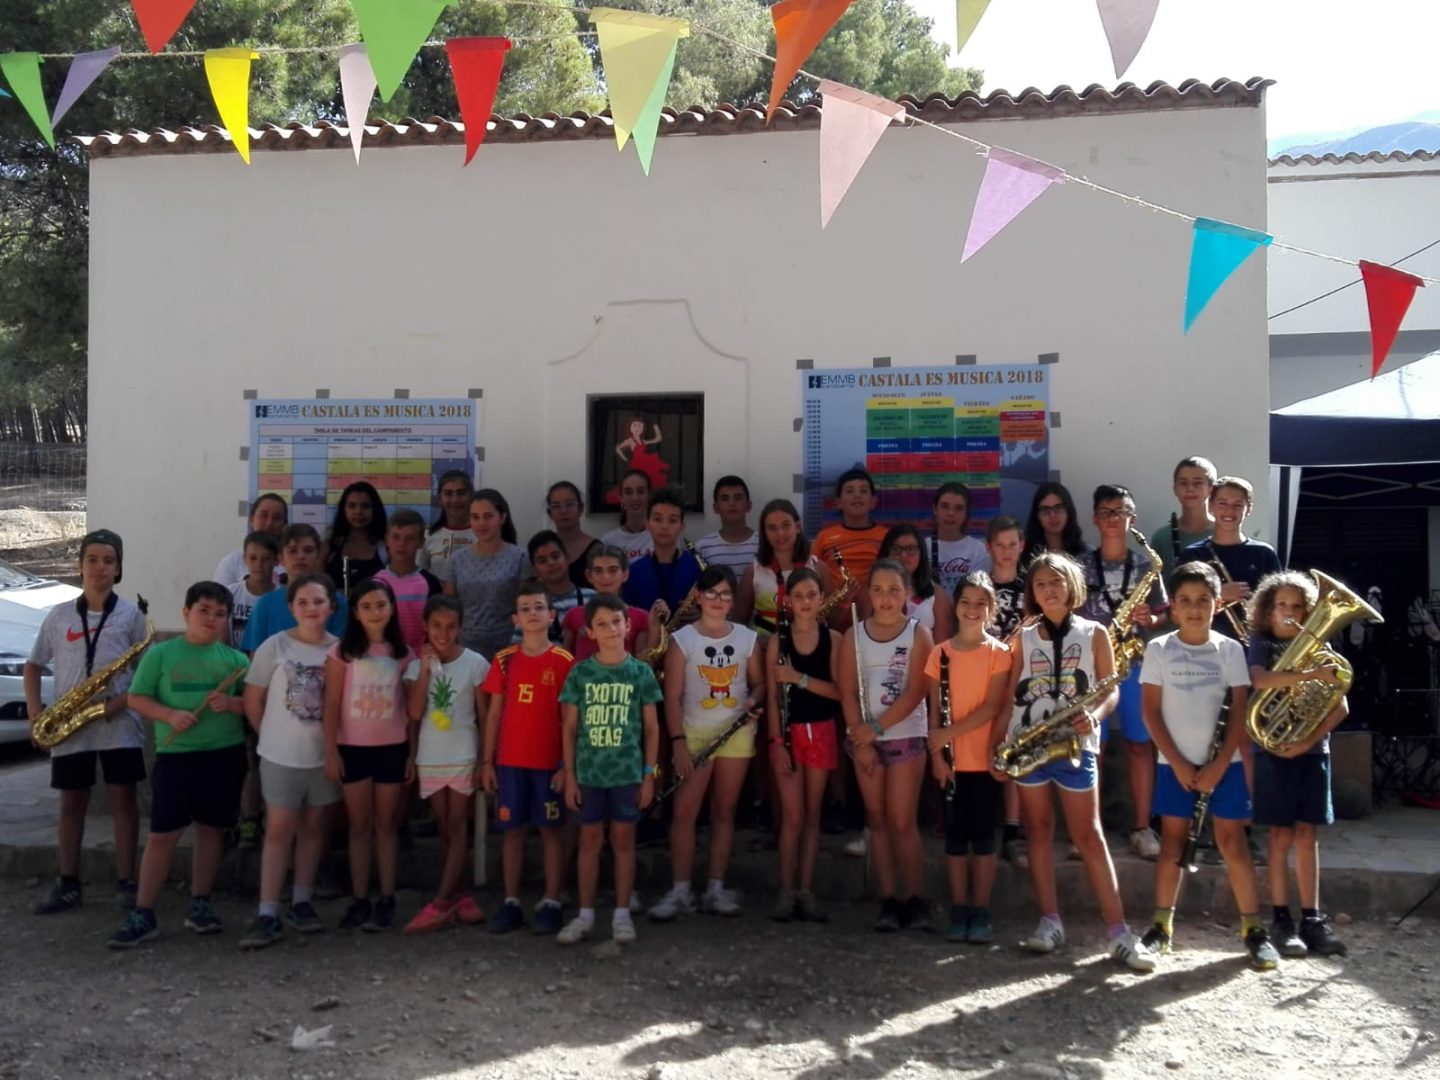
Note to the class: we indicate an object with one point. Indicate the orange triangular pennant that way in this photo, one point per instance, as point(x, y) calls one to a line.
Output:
point(800, 25)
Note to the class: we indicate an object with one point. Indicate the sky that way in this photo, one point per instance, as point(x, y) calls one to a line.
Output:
point(1335, 68)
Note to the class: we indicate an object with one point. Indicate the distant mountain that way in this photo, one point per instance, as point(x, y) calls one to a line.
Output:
point(1409, 136)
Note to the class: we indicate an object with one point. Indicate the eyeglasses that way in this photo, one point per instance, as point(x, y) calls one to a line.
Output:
point(1114, 515)
point(1051, 509)
point(716, 594)
point(571, 505)
point(905, 549)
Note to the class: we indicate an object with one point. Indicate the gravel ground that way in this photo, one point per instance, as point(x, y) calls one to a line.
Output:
point(705, 998)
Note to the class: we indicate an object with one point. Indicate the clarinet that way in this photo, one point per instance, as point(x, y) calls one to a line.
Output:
point(1187, 860)
point(782, 691)
point(709, 750)
point(948, 751)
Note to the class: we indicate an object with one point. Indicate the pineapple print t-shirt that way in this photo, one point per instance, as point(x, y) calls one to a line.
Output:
point(372, 703)
point(448, 731)
point(610, 741)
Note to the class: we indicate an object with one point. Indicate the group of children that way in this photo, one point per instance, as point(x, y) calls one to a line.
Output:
point(454, 661)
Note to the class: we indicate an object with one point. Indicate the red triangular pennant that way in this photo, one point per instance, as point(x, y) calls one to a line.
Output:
point(475, 65)
point(159, 19)
point(800, 25)
point(1388, 293)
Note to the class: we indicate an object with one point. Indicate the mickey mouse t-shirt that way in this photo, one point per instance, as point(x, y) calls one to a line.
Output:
point(1051, 678)
point(716, 686)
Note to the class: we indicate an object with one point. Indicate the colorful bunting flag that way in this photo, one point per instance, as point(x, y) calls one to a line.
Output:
point(968, 14)
point(393, 31)
point(475, 65)
point(357, 87)
point(638, 54)
point(1388, 293)
point(228, 72)
point(22, 72)
point(800, 25)
point(1127, 24)
point(84, 70)
point(1011, 183)
point(851, 123)
point(159, 19)
point(1216, 251)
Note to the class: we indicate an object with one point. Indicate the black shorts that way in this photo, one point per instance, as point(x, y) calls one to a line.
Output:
point(1291, 790)
point(76, 772)
point(382, 764)
point(202, 786)
point(974, 815)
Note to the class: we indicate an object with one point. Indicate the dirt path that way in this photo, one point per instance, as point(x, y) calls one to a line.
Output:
point(707, 998)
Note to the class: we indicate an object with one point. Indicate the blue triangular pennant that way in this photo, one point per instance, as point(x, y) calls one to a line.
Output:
point(1216, 252)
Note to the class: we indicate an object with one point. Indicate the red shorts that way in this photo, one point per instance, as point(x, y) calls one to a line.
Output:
point(814, 745)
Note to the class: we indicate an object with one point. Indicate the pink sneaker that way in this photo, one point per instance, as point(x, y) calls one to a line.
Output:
point(435, 915)
point(468, 911)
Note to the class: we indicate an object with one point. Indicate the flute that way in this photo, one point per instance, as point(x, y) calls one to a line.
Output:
point(865, 714)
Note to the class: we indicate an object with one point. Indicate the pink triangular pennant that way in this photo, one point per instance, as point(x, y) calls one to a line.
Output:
point(357, 87)
point(1012, 182)
point(851, 123)
point(1127, 24)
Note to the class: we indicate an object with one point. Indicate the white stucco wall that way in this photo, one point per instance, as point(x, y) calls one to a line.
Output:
point(547, 272)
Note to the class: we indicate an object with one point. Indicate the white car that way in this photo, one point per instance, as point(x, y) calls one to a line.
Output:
point(25, 600)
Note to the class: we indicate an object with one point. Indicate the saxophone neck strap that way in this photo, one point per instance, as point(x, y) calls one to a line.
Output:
point(1057, 643)
point(92, 642)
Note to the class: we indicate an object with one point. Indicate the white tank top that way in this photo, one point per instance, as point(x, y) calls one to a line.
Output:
point(716, 685)
point(1036, 692)
point(887, 666)
point(922, 611)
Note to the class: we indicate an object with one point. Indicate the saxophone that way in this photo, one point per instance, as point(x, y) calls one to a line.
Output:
point(1277, 718)
point(1125, 639)
point(656, 656)
point(74, 710)
point(837, 594)
point(1053, 738)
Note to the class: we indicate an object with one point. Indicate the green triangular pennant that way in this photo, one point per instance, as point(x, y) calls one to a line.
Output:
point(22, 72)
point(393, 31)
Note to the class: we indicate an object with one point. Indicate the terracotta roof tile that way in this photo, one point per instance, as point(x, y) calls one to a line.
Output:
point(720, 120)
point(1353, 158)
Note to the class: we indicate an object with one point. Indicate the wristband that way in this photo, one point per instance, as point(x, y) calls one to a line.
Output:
point(649, 770)
point(804, 681)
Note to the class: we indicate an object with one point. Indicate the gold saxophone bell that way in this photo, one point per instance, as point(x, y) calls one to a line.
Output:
point(1052, 739)
point(76, 708)
point(1125, 641)
point(654, 657)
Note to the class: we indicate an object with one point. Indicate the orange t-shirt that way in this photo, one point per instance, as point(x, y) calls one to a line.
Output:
point(970, 673)
point(858, 547)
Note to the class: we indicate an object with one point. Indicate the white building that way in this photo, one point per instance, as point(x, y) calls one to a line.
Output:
point(552, 269)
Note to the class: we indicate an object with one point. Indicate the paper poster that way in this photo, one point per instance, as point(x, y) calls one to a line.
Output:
point(308, 450)
point(917, 428)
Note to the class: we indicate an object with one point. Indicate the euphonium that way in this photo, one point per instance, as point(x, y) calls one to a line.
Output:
point(1125, 640)
point(654, 657)
point(1277, 718)
point(1051, 739)
point(73, 709)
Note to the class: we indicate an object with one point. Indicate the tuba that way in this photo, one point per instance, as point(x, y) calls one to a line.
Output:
point(1053, 738)
point(74, 710)
point(1125, 640)
point(1277, 718)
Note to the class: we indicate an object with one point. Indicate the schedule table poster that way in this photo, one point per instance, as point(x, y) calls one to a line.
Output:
point(916, 428)
point(310, 450)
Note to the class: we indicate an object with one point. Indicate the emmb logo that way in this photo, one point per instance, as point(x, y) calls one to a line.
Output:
point(831, 382)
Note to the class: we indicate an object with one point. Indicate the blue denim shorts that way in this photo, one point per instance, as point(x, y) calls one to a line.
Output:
point(1061, 773)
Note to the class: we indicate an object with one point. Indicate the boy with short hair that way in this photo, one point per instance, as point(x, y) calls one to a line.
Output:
point(1111, 572)
point(1193, 481)
point(551, 564)
point(268, 514)
point(856, 538)
point(261, 552)
point(299, 554)
point(668, 573)
point(607, 569)
point(77, 639)
point(631, 536)
point(611, 739)
point(1188, 675)
point(412, 586)
point(520, 761)
point(199, 757)
point(735, 543)
point(1244, 559)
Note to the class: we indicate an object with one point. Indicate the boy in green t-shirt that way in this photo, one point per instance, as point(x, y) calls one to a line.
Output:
point(182, 687)
point(612, 736)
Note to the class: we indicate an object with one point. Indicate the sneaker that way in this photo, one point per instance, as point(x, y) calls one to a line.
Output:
point(201, 917)
point(721, 901)
point(1263, 956)
point(138, 926)
point(980, 931)
point(889, 919)
point(436, 915)
point(304, 918)
point(622, 931)
point(382, 916)
point(1045, 938)
point(1015, 853)
point(959, 928)
point(264, 930)
point(673, 904)
point(1156, 939)
point(548, 918)
point(125, 894)
point(249, 833)
point(576, 931)
point(860, 846)
point(784, 909)
point(807, 910)
point(356, 915)
point(1144, 843)
point(511, 916)
point(62, 896)
point(1258, 854)
point(917, 915)
point(1320, 939)
point(1129, 950)
point(1285, 936)
point(468, 911)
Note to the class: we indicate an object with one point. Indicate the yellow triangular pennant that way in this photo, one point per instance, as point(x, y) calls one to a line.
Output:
point(228, 72)
point(637, 51)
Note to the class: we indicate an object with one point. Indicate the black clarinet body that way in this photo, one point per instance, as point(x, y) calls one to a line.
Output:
point(782, 694)
point(1187, 860)
point(948, 751)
